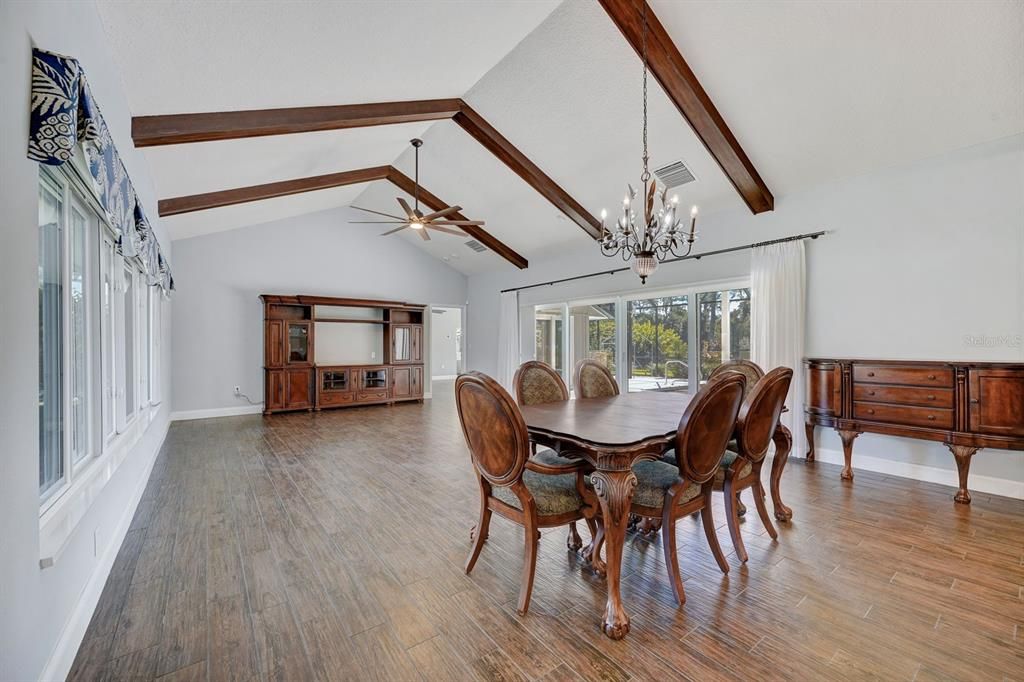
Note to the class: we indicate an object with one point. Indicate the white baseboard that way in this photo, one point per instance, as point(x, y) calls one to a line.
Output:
point(445, 377)
point(216, 412)
point(922, 472)
point(63, 656)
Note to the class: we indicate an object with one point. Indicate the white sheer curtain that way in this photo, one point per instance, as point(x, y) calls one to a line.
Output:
point(778, 298)
point(508, 338)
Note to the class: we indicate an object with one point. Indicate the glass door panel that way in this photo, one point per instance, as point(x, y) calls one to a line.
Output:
point(593, 333)
point(550, 331)
point(335, 380)
point(723, 337)
point(658, 345)
point(298, 342)
point(402, 343)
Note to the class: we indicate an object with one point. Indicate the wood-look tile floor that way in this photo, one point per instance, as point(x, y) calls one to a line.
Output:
point(329, 547)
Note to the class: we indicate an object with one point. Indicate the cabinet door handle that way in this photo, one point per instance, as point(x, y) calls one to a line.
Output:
point(974, 401)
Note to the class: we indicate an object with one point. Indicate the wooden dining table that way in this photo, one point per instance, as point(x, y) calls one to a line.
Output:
point(612, 434)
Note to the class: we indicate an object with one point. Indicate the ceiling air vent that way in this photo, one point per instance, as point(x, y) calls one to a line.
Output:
point(674, 174)
point(476, 246)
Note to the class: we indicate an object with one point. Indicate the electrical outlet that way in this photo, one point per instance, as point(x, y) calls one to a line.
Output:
point(238, 390)
point(373, 355)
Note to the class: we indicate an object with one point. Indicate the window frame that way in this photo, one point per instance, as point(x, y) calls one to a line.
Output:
point(691, 291)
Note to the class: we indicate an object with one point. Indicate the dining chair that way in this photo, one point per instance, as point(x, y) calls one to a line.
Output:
point(537, 382)
point(593, 380)
point(668, 492)
point(751, 370)
point(741, 467)
point(512, 485)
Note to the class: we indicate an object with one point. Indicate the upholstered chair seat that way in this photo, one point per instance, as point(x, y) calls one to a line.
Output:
point(730, 457)
point(551, 458)
point(553, 494)
point(653, 479)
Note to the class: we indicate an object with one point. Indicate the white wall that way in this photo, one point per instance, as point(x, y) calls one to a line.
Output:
point(443, 341)
point(917, 258)
point(44, 612)
point(218, 333)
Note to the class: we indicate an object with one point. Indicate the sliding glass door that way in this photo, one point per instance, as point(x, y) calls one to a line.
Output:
point(669, 342)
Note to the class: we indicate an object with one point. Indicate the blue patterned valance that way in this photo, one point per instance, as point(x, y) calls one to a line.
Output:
point(64, 115)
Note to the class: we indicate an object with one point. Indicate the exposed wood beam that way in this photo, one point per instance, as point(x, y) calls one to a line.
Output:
point(683, 88)
point(241, 195)
point(407, 185)
point(487, 135)
point(151, 131)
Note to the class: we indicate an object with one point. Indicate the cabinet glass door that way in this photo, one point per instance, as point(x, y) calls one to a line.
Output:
point(335, 380)
point(298, 343)
point(402, 344)
point(375, 378)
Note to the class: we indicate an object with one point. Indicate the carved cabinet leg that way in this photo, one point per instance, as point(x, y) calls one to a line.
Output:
point(963, 454)
point(847, 437)
point(783, 440)
point(615, 492)
point(809, 432)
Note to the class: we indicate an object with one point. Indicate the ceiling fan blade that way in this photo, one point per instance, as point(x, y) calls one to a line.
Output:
point(457, 222)
point(424, 235)
point(377, 222)
point(448, 230)
point(441, 214)
point(397, 229)
point(409, 213)
point(387, 215)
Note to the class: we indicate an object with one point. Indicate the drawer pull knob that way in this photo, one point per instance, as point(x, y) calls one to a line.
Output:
point(871, 392)
point(931, 397)
point(932, 377)
point(931, 417)
point(871, 374)
point(871, 411)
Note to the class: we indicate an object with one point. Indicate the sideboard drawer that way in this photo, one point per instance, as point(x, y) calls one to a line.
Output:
point(904, 395)
point(909, 376)
point(331, 398)
point(898, 414)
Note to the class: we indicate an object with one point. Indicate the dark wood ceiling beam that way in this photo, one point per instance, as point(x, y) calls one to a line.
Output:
point(679, 82)
point(487, 135)
point(408, 185)
point(151, 131)
point(241, 195)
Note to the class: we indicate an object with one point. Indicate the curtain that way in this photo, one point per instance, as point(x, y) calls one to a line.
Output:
point(508, 338)
point(778, 298)
point(64, 115)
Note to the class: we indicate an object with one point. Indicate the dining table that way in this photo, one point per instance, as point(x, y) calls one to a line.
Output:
point(612, 434)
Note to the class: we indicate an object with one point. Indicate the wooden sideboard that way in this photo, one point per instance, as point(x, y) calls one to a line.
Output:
point(966, 405)
point(293, 380)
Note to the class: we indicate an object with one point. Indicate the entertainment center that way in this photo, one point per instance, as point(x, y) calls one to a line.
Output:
point(322, 352)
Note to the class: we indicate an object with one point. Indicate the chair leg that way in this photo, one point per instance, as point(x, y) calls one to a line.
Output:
point(708, 520)
point(573, 541)
point(529, 564)
point(762, 510)
point(479, 535)
point(733, 517)
point(668, 543)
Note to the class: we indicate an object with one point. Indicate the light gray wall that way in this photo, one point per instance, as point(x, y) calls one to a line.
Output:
point(218, 334)
point(917, 258)
point(38, 605)
point(443, 346)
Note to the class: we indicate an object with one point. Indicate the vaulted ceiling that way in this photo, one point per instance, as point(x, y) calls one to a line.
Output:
point(812, 92)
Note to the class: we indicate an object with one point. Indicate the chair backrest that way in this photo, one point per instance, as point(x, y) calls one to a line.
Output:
point(749, 369)
point(759, 415)
point(594, 380)
point(494, 428)
point(706, 427)
point(537, 382)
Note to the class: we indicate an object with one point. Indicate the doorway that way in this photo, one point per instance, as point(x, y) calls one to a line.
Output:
point(446, 332)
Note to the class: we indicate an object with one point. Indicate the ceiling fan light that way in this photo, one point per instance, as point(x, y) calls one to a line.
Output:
point(416, 225)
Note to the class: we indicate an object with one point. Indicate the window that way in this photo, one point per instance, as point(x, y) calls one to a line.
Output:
point(670, 342)
point(97, 327)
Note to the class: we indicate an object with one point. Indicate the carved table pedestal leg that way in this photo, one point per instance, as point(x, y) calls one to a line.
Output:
point(847, 438)
point(615, 491)
point(963, 454)
point(783, 440)
point(809, 431)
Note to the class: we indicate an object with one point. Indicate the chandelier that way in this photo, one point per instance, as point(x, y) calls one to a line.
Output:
point(640, 234)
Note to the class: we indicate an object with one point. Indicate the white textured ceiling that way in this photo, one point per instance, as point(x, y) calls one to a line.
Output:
point(814, 91)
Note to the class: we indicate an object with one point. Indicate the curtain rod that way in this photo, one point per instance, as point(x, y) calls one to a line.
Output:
point(695, 256)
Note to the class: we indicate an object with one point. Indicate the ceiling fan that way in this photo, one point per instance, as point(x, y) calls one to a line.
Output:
point(414, 218)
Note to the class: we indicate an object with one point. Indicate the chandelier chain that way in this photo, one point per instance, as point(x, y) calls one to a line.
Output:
point(646, 174)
